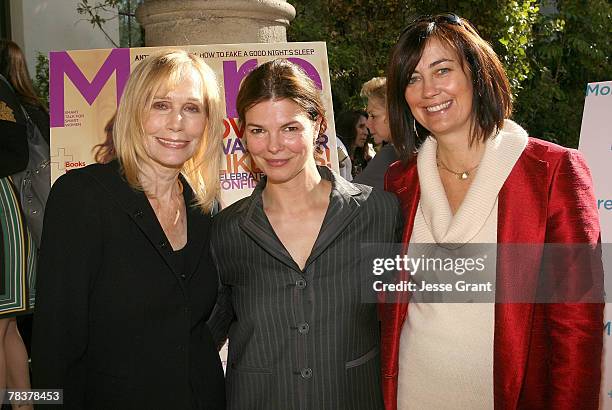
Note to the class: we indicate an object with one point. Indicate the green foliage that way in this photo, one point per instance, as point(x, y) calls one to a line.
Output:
point(360, 34)
point(519, 18)
point(506, 25)
point(41, 80)
point(92, 13)
point(130, 32)
point(550, 51)
point(571, 48)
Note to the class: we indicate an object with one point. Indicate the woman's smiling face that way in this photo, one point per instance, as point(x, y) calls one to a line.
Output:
point(175, 123)
point(280, 138)
point(440, 92)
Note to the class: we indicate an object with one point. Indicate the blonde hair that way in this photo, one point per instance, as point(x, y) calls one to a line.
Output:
point(165, 70)
point(375, 88)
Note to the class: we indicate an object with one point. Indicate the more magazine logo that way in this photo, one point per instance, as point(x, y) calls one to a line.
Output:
point(604, 204)
point(598, 90)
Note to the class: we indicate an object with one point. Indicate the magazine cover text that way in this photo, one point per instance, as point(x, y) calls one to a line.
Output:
point(85, 87)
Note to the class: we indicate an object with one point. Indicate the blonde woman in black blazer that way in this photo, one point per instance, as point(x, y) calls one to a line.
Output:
point(126, 281)
point(300, 334)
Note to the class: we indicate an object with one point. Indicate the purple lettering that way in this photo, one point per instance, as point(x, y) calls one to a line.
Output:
point(61, 63)
point(226, 146)
point(309, 69)
point(238, 146)
point(232, 76)
point(232, 145)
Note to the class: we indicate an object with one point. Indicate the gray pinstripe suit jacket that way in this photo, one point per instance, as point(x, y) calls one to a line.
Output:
point(301, 339)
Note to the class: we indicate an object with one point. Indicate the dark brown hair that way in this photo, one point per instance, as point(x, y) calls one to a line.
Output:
point(14, 68)
point(346, 126)
point(276, 80)
point(492, 97)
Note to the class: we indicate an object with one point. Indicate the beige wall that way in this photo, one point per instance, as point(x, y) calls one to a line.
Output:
point(47, 25)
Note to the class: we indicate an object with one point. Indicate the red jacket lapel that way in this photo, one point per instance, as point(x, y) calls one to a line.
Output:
point(404, 182)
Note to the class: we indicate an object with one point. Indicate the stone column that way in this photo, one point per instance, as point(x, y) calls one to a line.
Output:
point(184, 22)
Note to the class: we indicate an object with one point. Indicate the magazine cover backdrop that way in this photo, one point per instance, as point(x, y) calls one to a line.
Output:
point(85, 87)
point(596, 145)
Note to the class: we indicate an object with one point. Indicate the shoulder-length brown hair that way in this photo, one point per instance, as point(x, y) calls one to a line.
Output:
point(276, 80)
point(14, 68)
point(164, 70)
point(492, 97)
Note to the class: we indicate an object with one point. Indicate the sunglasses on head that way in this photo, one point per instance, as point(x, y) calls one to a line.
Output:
point(445, 18)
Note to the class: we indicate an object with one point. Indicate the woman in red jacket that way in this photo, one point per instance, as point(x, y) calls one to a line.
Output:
point(478, 178)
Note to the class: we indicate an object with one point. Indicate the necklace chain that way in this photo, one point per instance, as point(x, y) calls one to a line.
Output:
point(177, 197)
point(462, 175)
point(178, 207)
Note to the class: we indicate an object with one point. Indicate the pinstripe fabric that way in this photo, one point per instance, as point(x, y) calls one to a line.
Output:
point(17, 253)
point(301, 339)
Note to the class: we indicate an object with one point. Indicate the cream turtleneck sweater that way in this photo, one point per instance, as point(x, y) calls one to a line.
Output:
point(446, 349)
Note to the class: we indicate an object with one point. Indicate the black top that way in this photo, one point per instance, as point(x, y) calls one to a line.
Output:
point(180, 259)
point(13, 141)
point(116, 325)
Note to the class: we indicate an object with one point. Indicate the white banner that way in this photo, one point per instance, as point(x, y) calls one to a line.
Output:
point(596, 145)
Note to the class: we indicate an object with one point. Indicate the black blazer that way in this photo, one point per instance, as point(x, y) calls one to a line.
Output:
point(117, 325)
point(302, 339)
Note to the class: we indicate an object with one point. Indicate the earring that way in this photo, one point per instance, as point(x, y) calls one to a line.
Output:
point(319, 142)
point(414, 127)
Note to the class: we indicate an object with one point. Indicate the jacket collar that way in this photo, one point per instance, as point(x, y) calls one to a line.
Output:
point(344, 202)
point(136, 205)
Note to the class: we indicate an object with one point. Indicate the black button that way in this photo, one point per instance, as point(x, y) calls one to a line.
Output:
point(183, 276)
point(300, 284)
point(163, 244)
point(306, 373)
point(303, 328)
point(137, 213)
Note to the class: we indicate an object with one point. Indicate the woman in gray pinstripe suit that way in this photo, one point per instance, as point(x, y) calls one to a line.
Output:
point(288, 257)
